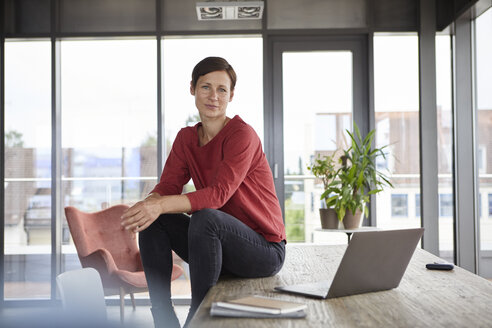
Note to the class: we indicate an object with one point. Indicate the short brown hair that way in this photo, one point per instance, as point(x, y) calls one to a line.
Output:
point(212, 64)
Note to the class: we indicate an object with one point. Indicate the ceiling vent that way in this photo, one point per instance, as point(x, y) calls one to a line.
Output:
point(225, 10)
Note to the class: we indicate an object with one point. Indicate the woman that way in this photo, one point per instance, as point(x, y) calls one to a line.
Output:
point(236, 224)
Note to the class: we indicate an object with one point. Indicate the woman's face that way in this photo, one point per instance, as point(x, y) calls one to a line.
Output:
point(212, 94)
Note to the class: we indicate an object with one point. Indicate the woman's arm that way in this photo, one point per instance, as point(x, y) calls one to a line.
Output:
point(142, 214)
point(240, 150)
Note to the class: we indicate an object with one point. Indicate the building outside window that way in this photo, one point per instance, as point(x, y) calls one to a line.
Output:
point(399, 205)
point(490, 205)
point(445, 205)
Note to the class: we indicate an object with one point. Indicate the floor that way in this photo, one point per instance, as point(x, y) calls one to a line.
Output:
point(44, 317)
point(24, 317)
point(142, 317)
point(42, 290)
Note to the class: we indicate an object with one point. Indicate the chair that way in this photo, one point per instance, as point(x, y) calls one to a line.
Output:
point(82, 296)
point(103, 244)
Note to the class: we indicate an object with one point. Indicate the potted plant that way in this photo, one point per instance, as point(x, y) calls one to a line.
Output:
point(357, 179)
point(324, 168)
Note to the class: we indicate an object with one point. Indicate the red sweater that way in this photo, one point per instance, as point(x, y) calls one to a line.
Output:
point(230, 173)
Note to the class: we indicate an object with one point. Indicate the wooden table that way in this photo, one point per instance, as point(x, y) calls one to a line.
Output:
point(424, 298)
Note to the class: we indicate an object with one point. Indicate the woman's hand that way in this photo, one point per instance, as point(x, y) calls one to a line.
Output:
point(142, 214)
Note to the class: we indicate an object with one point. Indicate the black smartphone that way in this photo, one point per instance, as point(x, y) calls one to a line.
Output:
point(440, 266)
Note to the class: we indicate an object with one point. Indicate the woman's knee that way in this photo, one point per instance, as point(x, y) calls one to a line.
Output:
point(204, 220)
point(145, 237)
point(157, 229)
point(151, 229)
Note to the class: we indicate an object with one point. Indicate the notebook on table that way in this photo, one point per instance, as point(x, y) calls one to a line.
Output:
point(373, 261)
point(258, 307)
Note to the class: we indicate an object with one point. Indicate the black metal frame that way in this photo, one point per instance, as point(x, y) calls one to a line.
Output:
point(2, 154)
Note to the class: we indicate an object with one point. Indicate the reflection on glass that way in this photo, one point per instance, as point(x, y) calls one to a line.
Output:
point(317, 107)
point(109, 125)
point(27, 266)
point(445, 145)
point(484, 135)
point(396, 98)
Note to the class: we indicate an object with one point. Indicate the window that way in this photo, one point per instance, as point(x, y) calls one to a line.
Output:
point(445, 204)
point(245, 54)
point(445, 143)
point(109, 125)
point(103, 99)
point(314, 126)
point(396, 104)
point(27, 266)
point(417, 205)
point(399, 205)
point(490, 205)
point(483, 77)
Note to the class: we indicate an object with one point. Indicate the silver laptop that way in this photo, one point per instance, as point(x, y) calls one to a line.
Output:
point(373, 261)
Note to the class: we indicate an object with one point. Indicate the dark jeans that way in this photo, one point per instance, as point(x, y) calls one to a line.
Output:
point(212, 242)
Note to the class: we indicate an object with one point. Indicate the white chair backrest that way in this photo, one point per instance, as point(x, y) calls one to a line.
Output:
point(82, 295)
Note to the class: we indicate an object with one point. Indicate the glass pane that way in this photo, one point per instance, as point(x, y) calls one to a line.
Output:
point(484, 136)
point(108, 126)
point(179, 57)
point(245, 55)
point(27, 266)
point(317, 107)
point(396, 98)
point(445, 144)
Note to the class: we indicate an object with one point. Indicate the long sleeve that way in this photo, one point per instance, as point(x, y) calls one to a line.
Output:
point(238, 155)
point(175, 174)
point(230, 173)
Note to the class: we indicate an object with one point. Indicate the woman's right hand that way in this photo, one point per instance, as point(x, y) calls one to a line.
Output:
point(142, 214)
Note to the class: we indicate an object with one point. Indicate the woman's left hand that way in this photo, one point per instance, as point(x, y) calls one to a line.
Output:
point(142, 214)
